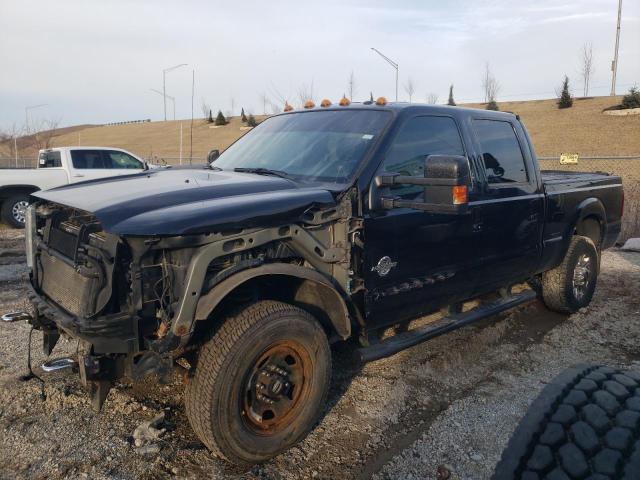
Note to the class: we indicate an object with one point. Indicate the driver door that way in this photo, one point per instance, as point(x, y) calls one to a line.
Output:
point(416, 262)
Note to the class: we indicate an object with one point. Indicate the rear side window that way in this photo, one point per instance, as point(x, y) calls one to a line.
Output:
point(503, 159)
point(417, 138)
point(121, 160)
point(87, 159)
point(49, 160)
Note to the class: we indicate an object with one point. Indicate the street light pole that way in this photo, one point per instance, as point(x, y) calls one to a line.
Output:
point(390, 62)
point(614, 64)
point(26, 113)
point(173, 100)
point(164, 85)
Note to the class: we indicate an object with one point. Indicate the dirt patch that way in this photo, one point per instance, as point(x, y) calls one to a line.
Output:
point(450, 402)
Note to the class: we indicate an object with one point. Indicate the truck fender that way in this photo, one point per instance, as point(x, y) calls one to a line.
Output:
point(314, 290)
point(9, 190)
point(590, 207)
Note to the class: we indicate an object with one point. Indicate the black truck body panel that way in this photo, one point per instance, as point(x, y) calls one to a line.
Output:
point(165, 219)
point(188, 201)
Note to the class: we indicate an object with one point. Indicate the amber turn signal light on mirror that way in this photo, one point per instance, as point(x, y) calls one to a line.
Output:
point(460, 194)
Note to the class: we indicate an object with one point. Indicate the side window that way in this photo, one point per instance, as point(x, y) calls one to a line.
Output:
point(115, 159)
point(49, 160)
point(501, 152)
point(87, 159)
point(419, 137)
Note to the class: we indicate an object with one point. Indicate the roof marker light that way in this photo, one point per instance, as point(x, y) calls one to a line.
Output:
point(325, 103)
point(287, 107)
point(344, 101)
point(381, 101)
point(309, 104)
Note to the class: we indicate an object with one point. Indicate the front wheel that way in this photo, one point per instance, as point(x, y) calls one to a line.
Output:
point(260, 382)
point(14, 210)
point(570, 286)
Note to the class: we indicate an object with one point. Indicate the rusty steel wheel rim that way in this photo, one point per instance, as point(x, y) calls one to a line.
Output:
point(277, 387)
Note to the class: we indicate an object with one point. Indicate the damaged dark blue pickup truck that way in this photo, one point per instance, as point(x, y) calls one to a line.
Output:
point(317, 226)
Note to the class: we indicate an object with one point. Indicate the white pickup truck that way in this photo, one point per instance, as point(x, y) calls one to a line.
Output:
point(57, 167)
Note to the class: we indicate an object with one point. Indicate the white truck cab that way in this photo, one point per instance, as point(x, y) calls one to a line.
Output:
point(57, 167)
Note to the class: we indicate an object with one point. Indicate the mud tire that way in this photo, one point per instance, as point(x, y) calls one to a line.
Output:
point(557, 284)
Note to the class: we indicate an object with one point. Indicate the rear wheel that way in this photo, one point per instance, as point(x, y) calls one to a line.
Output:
point(260, 382)
point(14, 210)
point(570, 285)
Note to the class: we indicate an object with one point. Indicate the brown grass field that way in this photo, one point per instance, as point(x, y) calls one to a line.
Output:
point(582, 129)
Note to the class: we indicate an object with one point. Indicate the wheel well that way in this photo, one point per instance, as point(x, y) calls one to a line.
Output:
point(320, 300)
point(591, 227)
point(17, 190)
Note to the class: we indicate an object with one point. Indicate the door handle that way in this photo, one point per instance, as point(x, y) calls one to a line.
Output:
point(78, 175)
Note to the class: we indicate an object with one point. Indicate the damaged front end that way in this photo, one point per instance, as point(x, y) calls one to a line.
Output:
point(93, 286)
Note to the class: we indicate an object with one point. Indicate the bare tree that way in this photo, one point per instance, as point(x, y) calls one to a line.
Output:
point(410, 88)
point(9, 141)
point(587, 67)
point(42, 132)
point(490, 85)
point(432, 98)
point(305, 92)
point(265, 101)
point(205, 108)
point(351, 86)
point(275, 108)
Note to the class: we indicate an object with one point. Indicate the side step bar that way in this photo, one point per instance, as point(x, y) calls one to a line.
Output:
point(400, 341)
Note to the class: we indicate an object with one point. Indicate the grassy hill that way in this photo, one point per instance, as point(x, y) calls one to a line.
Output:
point(582, 129)
point(160, 139)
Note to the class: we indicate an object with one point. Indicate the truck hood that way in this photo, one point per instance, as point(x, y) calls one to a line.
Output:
point(189, 201)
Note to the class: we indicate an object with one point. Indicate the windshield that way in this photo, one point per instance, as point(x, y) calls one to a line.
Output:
point(323, 146)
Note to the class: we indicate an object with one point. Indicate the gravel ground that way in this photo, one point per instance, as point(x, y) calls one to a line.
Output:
point(450, 403)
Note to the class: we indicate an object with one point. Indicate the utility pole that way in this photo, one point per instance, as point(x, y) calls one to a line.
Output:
point(164, 85)
point(614, 64)
point(392, 63)
point(193, 84)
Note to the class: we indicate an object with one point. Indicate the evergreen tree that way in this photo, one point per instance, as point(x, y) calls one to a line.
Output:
point(251, 121)
point(210, 119)
point(243, 117)
point(492, 105)
point(220, 120)
point(451, 100)
point(566, 100)
point(632, 99)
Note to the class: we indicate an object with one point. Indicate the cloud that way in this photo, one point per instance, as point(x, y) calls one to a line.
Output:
point(97, 61)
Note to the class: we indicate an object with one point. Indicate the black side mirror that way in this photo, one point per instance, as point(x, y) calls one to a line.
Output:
point(213, 155)
point(446, 179)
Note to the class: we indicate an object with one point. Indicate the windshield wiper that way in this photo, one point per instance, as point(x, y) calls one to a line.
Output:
point(263, 171)
point(212, 167)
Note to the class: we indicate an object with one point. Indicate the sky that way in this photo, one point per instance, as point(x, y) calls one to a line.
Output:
point(96, 62)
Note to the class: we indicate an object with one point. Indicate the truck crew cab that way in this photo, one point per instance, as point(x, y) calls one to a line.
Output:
point(317, 226)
